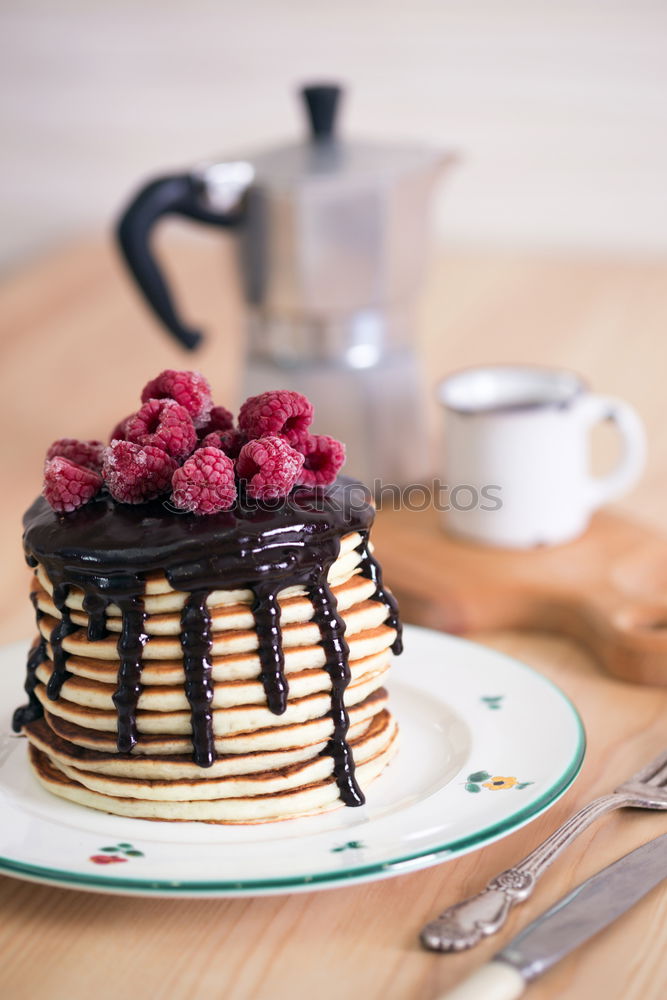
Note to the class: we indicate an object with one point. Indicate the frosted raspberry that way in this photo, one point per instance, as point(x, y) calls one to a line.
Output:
point(269, 466)
point(324, 457)
point(230, 441)
point(220, 419)
point(134, 474)
point(119, 433)
point(280, 412)
point(190, 389)
point(205, 483)
point(86, 453)
point(163, 424)
point(67, 485)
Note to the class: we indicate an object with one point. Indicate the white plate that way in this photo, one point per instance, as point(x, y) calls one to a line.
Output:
point(467, 715)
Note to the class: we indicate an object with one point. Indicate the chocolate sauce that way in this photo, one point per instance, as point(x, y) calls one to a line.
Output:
point(130, 648)
point(196, 646)
point(37, 655)
point(64, 628)
point(108, 549)
point(371, 568)
point(96, 609)
point(266, 612)
point(332, 631)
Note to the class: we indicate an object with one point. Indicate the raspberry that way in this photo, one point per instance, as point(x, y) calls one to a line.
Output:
point(230, 441)
point(270, 467)
point(67, 485)
point(119, 433)
point(324, 457)
point(163, 424)
point(190, 389)
point(280, 412)
point(134, 474)
point(220, 419)
point(205, 483)
point(86, 453)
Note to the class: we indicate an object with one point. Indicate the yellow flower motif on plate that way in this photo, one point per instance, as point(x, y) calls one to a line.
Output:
point(497, 783)
point(478, 780)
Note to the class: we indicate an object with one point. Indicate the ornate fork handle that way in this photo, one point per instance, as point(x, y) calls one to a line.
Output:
point(463, 925)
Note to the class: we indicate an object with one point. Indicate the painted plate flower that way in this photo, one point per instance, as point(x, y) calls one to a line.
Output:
point(497, 783)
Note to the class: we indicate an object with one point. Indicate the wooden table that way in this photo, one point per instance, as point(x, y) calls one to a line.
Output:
point(76, 347)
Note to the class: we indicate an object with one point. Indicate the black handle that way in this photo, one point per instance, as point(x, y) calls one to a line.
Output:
point(179, 194)
point(321, 104)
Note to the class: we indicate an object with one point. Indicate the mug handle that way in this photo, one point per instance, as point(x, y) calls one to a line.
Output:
point(594, 409)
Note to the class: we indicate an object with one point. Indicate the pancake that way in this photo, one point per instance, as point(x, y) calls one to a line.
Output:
point(277, 777)
point(290, 804)
point(229, 694)
point(222, 669)
point(236, 615)
point(161, 597)
point(149, 746)
point(44, 735)
point(233, 666)
point(226, 638)
point(226, 722)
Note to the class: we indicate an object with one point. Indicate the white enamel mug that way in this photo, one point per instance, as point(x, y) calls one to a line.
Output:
point(517, 457)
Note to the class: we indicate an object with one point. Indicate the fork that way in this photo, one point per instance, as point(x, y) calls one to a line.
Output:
point(465, 924)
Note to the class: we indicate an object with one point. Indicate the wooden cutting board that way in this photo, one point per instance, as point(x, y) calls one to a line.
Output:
point(607, 590)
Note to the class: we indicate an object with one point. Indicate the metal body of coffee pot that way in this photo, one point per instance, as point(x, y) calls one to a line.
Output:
point(332, 242)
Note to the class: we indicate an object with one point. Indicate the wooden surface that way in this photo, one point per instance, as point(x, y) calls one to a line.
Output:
point(607, 589)
point(75, 348)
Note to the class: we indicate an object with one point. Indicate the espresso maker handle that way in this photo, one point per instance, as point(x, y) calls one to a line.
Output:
point(178, 194)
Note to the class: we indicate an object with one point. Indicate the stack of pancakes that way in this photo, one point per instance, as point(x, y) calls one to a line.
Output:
point(268, 766)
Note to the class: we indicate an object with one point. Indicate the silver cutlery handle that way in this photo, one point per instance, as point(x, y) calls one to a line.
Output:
point(465, 924)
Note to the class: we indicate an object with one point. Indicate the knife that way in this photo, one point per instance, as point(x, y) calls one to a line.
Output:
point(572, 920)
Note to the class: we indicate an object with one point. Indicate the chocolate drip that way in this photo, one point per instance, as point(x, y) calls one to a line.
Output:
point(64, 628)
point(37, 655)
point(96, 607)
point(371, 568)
point(266, 612)
point(130, 648)
point(196, 646)
point(332, 630)
point(107, 549)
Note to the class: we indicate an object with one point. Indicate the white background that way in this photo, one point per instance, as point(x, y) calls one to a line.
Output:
point(558, 107)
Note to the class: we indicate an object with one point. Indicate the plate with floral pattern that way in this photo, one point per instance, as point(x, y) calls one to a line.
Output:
point(486, 745)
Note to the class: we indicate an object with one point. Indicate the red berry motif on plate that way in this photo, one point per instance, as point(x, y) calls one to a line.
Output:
point(323, 459)
point(116, 854)
point(68, 486)
point(269, 466)
point(86, 453)
point(190, 389)
point(205, 483)
point(134, 474)
point(288, 414)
